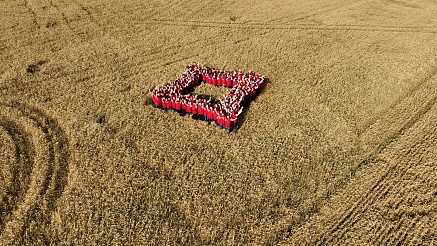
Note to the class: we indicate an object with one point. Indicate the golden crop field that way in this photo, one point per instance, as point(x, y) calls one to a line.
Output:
point(338, 148)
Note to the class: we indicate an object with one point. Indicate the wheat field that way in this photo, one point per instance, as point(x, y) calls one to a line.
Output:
point(338, 148)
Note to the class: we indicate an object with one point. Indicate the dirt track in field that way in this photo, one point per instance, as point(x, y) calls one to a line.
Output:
point(337, 149)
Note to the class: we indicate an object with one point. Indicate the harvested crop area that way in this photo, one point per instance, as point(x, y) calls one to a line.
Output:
point(336, 149)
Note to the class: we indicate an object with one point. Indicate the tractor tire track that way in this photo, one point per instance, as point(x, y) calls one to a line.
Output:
point(45, 13)
point(404, 110)
point(401, 118)
point(297, 16)
point(33, 13)
point(351, 217)
point(405, 114)
point(24, 154)
point(402, 235)
point(167, 51)
point(230, 27)
point(87, 12)
point(40, 172)
point(390, 184)
point(322, 11)
point(292, 27)
point(51, 14)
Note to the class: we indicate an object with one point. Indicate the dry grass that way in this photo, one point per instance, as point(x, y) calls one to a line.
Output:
point(211, 91)
point(391, 201)
point(338, 148)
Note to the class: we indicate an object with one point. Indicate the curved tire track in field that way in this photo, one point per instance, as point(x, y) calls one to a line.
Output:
point(39, 170)
point(20, 174)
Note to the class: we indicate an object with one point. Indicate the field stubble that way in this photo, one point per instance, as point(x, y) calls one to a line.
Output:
point(106, 167)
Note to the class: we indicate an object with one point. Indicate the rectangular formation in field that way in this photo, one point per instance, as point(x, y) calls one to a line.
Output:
point(226, 113)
